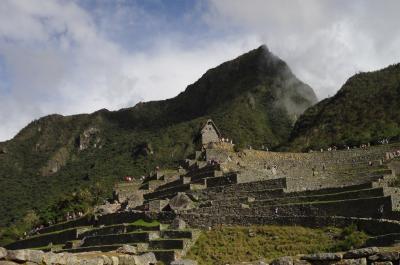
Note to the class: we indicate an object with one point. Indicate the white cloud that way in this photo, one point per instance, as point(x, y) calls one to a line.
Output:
point(59, 57)
point(324, 42)
point(59, 61)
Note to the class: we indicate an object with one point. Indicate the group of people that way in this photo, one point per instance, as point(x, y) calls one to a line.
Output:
point(73, 215)
point(226, 140)
point(384, 141)
point(128, 178)
point(213, 162)
point(346, 147)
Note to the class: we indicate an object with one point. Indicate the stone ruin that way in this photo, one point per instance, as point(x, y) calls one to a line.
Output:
point(163, 214)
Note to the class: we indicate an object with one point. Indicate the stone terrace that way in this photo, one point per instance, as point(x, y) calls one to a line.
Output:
point(242, 190)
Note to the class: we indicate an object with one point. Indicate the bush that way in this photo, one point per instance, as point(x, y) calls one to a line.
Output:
point(351, 238)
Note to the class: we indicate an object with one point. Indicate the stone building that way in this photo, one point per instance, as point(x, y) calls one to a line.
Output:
point(210, 133)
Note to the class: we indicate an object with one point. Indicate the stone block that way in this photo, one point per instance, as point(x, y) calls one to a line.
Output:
point(91, 261)
point(360, 253)
point(127, 249)
point(3, 253)
point(145, 259)
point(35, 256)
point(300, 262)
point(17, 255)
point(71, 259)
point(115, 260)
point(382, 263)
point(322, 257)
point(50, 258)
point(7, 262)
point(178, 224)
point(181, 202)
point(360, 261)
point(283, 261)
point(126, 260)
point(107, 260)
point(385, 256)
point(184, 262)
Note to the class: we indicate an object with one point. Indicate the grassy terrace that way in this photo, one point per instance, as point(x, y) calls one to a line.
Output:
point(227, 245)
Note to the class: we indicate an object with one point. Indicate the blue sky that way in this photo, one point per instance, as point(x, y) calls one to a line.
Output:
point(78, 56)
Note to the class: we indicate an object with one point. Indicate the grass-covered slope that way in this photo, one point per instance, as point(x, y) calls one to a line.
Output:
point(231, 245)
point(366, 109)
point(57, 163)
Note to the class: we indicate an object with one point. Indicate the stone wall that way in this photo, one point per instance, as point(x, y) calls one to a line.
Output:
point(37, 257)
point(364, 256)
point(366, 207)
point(45, 240)
point(374, 227)
point(84, 221)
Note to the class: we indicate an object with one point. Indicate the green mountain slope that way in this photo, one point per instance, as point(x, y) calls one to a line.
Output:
point(366, 109)
point(254, 99)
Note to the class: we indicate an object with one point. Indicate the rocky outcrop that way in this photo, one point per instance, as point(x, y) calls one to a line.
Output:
point(107, 208)
point(56, 162)
point(89, 138)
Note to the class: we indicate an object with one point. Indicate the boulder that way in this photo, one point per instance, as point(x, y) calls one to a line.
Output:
point(7, 262)
point(360, 261)
point(385, 256)
point(178, 223)
point(3, 253)
point(360, 253)
point(107, 208)
point(184, 262)
point(114, 260)
point(71, 259)
point(35, 256)
point(382, 263)
point(127, 249)
point(322, 257)
point(126, 259)
point(300, 262)
point(107, 260)
point(181, 202)
point(283, 261)
point(145, 259)
point(50, 258)
point(92, 261)
point(17, 255)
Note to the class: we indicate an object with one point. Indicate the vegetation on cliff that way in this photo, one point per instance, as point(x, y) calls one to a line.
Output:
point(366, 109)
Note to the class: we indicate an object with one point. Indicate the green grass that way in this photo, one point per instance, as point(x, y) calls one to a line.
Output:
point(227, 245)
point(144, 223)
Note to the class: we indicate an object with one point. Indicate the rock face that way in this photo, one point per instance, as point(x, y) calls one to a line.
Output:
point(89, 138)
